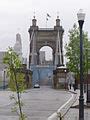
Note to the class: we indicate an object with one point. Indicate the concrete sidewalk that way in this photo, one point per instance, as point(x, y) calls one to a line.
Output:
point(69, 114)
point(5, 102)
point(65, 107)
point(70, 111)
point(73, 112)
point(39, 104)
point(5, 98)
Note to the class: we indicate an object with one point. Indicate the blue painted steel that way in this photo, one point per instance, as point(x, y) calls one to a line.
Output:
point(42, 74)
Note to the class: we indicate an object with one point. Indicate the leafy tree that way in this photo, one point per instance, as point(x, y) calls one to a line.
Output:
point(16, 82)
point(73, 50)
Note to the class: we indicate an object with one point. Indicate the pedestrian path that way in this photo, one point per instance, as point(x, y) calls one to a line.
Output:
point(68, 111)
point(5, 98)
point(73, 112)
point(39, 104)
point(60, 113)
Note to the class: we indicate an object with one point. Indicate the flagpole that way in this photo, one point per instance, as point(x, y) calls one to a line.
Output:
point(46, 22)
point(47, 18)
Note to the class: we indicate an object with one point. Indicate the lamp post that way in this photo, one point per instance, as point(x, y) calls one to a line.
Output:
point(4, 77)
point(81, 17)
point(86, 52)
point(65, 78)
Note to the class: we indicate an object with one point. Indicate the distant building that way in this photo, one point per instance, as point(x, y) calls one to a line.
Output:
point(42, 57)
point(2, 68)
point(18, 45)
point(49, 62)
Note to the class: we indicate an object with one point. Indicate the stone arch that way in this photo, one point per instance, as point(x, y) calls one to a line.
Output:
point(40, 37)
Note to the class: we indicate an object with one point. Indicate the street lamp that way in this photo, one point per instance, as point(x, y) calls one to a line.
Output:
point(81, 17)
point(4, 78)
point(86, 52)
point(65, 78)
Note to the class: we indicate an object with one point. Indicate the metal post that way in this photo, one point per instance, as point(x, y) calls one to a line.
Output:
point(81, 98)
point(4, 80)
point(65, 78)
point(87, 74)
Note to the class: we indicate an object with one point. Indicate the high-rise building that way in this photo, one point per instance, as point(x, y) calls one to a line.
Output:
point(42, 57)
point(18, 45)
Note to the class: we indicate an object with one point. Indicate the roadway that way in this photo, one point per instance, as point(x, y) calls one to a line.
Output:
point(39, 103)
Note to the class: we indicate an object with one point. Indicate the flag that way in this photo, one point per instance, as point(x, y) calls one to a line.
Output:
point(48, 15)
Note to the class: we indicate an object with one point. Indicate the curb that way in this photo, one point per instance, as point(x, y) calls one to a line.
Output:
point(61, 112)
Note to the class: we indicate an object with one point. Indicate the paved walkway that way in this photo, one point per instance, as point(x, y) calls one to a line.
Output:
point(70, 110)
point(39, 103)
point(73, 113)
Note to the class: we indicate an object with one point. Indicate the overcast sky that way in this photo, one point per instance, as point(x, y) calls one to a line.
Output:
point(16, 16)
